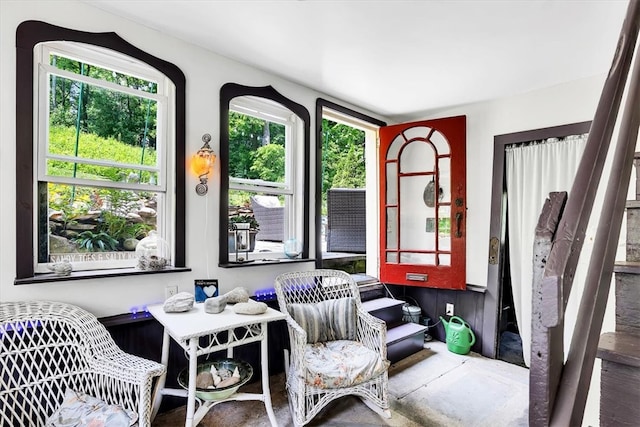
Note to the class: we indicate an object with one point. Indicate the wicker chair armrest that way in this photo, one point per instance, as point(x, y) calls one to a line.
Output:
point(126, 380)
point(127, 368)
point(298, 341)
point(371, 332)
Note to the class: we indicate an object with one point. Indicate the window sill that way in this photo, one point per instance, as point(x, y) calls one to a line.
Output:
point(94, 274)
point(125, 319)
point(269, 261)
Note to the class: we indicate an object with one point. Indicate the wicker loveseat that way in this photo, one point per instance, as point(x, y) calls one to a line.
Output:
point(337, 347)
point(50, 348)
point(270, 216)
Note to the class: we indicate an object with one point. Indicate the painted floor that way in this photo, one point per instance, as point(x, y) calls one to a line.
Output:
point(433, 387)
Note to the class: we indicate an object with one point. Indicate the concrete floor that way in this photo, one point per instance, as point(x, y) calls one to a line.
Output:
point(433, 387)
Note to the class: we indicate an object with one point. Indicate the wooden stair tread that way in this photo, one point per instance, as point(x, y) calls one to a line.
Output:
point(629, 267)
point(381, 303)
point(402, 331)
point(633, 204)
point(363, 279)
point(620, 347)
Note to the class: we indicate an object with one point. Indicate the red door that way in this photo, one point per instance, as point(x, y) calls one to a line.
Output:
point(423, 203)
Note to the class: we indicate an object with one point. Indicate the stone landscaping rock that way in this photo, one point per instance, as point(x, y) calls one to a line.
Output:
point(147, 212)
point(59, 244)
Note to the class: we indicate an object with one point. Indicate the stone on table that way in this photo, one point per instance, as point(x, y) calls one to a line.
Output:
point(180, 302)
point(237, 295)
point(250, 307)
point(215, 305)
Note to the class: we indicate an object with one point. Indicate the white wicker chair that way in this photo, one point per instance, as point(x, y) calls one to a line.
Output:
point(312, 287)
point(47, 347)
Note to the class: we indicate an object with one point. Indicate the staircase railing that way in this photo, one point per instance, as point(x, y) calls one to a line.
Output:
point(558, 390)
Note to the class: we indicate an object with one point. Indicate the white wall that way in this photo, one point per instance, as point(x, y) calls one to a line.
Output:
point(568, 103)
point(205, 73)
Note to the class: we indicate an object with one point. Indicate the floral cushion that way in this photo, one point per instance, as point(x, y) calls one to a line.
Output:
point(333, 319)
point(79, 409)
point(342, 363)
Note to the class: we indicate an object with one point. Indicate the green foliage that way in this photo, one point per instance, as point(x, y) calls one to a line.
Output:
point(444, 227)
point(96, 241)
point(348, 173)
point(62, 141)
point(342, 156)
point(63, 198)
point(120, 228)
point(337, 140)
point(105, 112)
point(239, 198)
point(235, 219)
point(99, 123)
point(246, 136)
point(75, 200)
point(268, 163)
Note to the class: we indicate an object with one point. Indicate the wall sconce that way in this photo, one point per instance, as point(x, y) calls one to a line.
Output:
point(201, 164)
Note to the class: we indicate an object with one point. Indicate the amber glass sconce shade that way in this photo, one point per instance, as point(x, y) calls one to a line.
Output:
point(201, 164)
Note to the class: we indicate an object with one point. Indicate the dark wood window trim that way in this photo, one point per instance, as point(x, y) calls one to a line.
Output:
point(227, 93)
point(94, 274)
point(498, 219)
point(28, 35)
point(320, 105)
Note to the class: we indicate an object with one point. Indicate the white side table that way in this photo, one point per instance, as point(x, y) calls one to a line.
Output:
point(225, 331)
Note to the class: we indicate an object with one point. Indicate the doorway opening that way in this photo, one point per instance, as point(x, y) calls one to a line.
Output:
point(346, 209)
point(504, 303)
point(509, 339)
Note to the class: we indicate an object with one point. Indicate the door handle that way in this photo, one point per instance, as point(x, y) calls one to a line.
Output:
point(458, 224)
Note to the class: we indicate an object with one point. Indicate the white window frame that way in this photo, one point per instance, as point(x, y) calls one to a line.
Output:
point(165, 137)
point(294, 155)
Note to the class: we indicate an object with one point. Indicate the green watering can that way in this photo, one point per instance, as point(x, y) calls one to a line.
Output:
point(460, 337)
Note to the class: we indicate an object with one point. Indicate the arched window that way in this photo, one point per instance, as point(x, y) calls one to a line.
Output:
point(105, 165)
point(264, 182)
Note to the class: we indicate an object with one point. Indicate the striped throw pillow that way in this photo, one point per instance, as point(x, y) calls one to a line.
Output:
point(329, 320)
point(339, 318)
point(309, 317)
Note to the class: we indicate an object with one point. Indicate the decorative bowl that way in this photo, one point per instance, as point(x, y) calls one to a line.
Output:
point(292, 248)
point(245, 370)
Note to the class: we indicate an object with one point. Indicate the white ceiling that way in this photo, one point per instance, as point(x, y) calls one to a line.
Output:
point(399, 58)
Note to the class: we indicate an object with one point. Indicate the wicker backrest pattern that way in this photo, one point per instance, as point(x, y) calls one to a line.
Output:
point(315, 286)
point(47, 347)
point(311, 287)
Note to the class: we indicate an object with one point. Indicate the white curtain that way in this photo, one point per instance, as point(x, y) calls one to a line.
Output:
point(532, 172)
